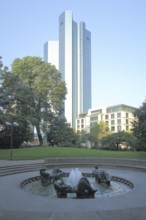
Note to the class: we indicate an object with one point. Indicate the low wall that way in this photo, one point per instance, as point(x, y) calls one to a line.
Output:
point(92, 161)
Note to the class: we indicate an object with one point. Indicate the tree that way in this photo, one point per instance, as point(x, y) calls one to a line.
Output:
point(139, 126)
point(21, 133)
point(97, 132)
point(47, 90)
point(34, 91)
point(60, 133)
point(9, 113)
point(114, 140)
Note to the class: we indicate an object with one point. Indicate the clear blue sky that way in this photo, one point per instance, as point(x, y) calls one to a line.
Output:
point(118, 31)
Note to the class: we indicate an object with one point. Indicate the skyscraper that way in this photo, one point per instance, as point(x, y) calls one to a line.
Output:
point(84, 68)
point(51, 53)
point(68, 63)
point(74, 65)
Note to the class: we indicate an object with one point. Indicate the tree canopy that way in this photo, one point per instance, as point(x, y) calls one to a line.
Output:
point(8, 113)
point(60, 133)
point(115, 140)
point(97, 132)
point(139, 126)
point(34, 91)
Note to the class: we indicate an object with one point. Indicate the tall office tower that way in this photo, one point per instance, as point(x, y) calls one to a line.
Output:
point(51, 53)
point(68, 63)
point(84, 68)
point(75, 65)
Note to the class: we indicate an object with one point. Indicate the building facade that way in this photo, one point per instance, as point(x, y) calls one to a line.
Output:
point(68, 62)
point(117, 117)
point(84, 68)
point(51, 53)
point(74, 64)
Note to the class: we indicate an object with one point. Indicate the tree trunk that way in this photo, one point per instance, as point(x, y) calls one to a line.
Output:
point(39, 135)
point(117, 146)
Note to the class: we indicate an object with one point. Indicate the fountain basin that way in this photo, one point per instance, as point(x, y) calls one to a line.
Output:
point(117, 187)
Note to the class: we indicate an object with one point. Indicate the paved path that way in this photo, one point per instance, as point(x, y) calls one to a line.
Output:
point(17, 204)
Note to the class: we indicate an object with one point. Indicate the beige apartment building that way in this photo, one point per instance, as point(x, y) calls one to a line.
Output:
point(117, 117)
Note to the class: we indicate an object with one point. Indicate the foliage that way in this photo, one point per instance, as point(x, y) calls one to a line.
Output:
point(21, 133)
point(33, 91)
point(60, 133)
point(139, 126)
point(97, 132)
point(114, 140)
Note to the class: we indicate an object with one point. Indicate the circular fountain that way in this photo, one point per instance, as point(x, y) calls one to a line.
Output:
point(122, 199)
point(75, 183)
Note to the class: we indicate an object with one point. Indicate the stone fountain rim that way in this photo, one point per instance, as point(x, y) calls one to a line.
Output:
point(124, 163)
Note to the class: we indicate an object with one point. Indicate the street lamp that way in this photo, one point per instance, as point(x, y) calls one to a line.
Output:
point(14, 124)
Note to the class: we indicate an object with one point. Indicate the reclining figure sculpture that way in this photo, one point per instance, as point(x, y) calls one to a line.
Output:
point(83, 189)
point(101, 176)
point(62, 189)
point(47, 179)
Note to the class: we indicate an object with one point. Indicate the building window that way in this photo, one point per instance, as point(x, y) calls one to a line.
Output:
point(127, 121)
point(92, 124)
point(113, 128)
point(119, 115)
point(119, 121)
point(127, 128)
point(112, 122)
point(99, 111)
point(78, 121)
point(82, 120)
point(78, 126)
point(127, 115)
point(106, 122)
point(112, 115)
point(106, 117)
point(82, 126)
point(119, 128)
point(94, 118)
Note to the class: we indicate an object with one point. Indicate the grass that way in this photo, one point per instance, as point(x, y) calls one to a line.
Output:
point(46, 152)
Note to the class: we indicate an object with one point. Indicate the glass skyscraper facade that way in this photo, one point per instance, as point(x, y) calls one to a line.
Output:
point(51, 53)
point(84, 68)
point(74, 64)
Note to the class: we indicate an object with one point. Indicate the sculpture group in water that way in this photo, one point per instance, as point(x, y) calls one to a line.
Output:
point(101, 176)
point(47, 179)
point(82, 189)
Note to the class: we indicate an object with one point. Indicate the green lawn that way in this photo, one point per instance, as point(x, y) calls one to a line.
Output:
point(45, 152)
